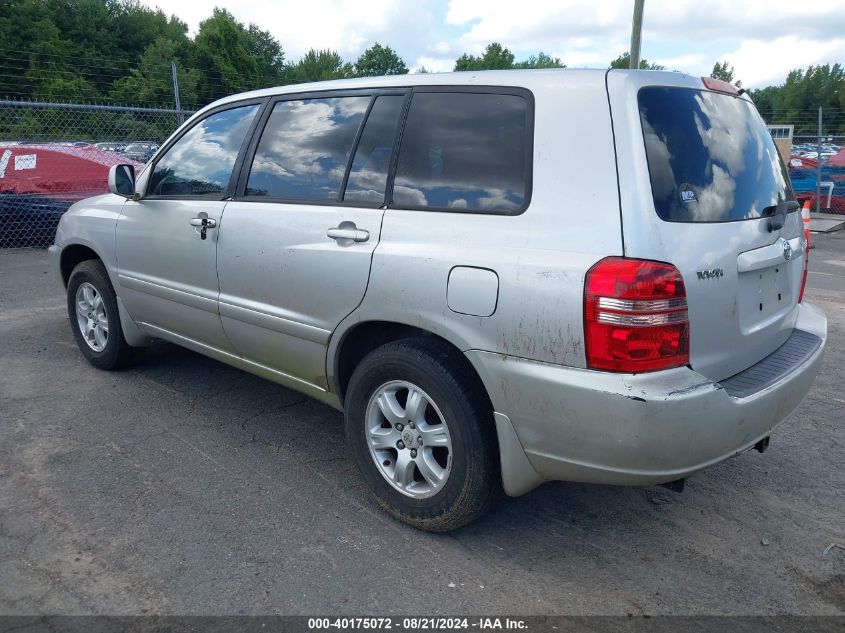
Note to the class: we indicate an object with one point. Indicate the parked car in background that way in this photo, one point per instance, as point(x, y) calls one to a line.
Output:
point(803, 179)
point(139, 152)
point(30, 219)
point(804, 172)
point(38, 182)
point(111, 146)
point(489, 308)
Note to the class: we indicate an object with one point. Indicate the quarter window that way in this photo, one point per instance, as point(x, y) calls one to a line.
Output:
point(464, 152)
point(368, 175)
point(200, 163)
point(305, 147)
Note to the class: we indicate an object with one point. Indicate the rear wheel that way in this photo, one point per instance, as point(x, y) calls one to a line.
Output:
point(94, 318)
point(422, 434)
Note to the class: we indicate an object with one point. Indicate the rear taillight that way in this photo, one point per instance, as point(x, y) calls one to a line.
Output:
point(635, 316)
point(806, 266)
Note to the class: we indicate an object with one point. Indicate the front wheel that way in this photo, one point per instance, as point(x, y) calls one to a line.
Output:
point(94, 318)
point(422, 434)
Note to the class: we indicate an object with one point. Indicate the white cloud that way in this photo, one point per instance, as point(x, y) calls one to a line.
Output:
point(688, 60)
point(764, 39)
point(689, 20)
point(687, 35)
point(435, 64)
point(347, 26)
point(535, 24)
point(442, 48)
point(758, 19)
point(760, 63)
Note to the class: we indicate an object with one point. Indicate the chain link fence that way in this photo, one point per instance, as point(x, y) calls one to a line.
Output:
point(815, 144)
point(54, 154)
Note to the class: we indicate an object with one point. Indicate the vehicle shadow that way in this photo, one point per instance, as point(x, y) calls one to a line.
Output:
point(554, 509)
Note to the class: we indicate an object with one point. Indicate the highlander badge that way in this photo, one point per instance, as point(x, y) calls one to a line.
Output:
point(713, 273)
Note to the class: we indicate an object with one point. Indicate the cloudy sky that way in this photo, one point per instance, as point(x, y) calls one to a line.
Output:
point(763, 39)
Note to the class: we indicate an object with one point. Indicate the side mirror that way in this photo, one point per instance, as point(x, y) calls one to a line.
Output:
point(122, 180)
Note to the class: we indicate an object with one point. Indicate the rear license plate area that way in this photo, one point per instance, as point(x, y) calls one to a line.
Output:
point(763, 295)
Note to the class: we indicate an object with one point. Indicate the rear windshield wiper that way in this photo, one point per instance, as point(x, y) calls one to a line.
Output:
point(778, 213)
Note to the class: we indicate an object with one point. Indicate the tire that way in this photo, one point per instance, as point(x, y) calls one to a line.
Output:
point(469, 467)
point(105, 352)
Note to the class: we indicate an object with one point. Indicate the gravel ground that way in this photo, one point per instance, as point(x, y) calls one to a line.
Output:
point(182, 486)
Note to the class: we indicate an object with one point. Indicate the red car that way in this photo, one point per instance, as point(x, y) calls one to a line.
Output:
point(38, 182)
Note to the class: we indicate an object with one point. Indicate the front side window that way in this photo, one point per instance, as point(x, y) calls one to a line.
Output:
point(464, 151)
point(305, 147)
point(200, 163)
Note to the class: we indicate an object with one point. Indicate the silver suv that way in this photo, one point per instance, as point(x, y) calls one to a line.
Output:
point(501, 278)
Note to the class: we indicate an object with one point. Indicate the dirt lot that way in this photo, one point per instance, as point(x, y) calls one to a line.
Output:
point(184, 486)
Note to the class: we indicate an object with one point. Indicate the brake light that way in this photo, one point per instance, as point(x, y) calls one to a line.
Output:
point(635, 316)
point(720, 85)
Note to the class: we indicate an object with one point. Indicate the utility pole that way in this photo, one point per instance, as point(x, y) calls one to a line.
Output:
point(819, 166)
point(636, 31)
point(179, 116)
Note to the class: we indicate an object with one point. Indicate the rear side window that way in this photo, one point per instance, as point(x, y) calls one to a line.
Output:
point(200, 163)
point(710, 156)
point(303, 152)
point(466, 152)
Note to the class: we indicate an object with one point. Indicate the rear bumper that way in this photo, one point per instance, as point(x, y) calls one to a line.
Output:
point(581, 425)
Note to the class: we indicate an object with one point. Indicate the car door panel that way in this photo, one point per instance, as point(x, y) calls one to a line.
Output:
point(166, 241)
point(285, 285)
point(167, 273)
point(294, 258)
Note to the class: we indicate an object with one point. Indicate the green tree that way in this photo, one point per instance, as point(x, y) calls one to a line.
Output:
point(796, 101)
point(269, 54)
point(135, 27)
point(766, 99)
point(151, 84)
point(76, 48)
point(234, 58)
point(379, 60)
point(27, 26)
point(540, 60)
point(319, 66)
point(725, 72)
point(52, 86)
point(624, 61)
point(495, 57)
point(85, 26)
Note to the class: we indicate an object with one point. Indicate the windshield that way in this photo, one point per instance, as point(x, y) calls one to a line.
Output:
point(710, 156)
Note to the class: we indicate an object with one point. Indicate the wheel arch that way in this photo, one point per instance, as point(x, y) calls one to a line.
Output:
point(354, 343)
point(75, 253)
point(72, 255)
point(365, 336)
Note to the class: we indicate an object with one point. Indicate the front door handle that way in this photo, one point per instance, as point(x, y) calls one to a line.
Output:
point(203, 223)
point(347, 232)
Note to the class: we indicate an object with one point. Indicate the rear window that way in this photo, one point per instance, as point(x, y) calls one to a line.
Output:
point(464, 152)
point(710, 156)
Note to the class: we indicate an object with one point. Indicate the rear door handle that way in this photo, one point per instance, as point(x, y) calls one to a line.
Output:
point(346, 232)
point(203, 223)
point(208, 223)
